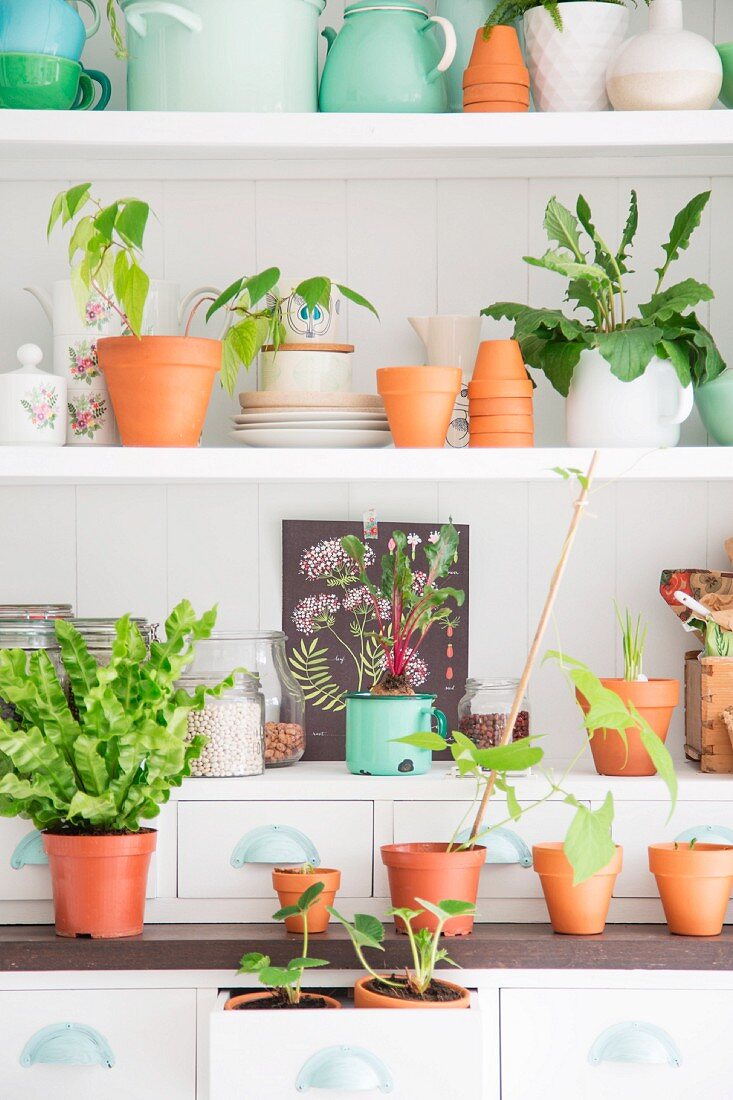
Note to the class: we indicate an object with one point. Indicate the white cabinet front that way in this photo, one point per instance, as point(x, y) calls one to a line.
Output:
point(228, 849)
point(112, 1044)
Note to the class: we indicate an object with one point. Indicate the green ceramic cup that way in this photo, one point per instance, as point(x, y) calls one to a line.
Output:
point(714, 402)
point(374, 722)
point(41, 82)
point(726, 56)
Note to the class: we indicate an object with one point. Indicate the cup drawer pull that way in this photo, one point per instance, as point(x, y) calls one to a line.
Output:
point(350, 1069)
point(502, 846)
point(28, 851)
point(67, 1045)
point(706, 834)
point(274, 844)
point(636, 1042)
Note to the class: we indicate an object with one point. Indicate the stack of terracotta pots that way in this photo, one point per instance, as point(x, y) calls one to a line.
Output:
point(496, 78)
point(500, 397)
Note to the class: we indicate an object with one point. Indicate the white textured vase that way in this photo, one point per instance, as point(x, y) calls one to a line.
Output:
point(602, 411)
point(667, 68)
point(568, 67)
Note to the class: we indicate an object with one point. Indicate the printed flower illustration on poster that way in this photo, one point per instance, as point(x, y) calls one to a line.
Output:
point(330, 621)
point(40, 405)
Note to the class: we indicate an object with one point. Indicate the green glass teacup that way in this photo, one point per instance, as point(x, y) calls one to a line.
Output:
point(41, 82)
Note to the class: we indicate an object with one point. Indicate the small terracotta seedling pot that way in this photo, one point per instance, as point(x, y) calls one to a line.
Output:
point(419, 402)
point(501, 439)
point(431, 872)
point(501, 425)
point(367, 998)
point(500, 406)
point(500, 47)
point(500, 361)
point(290, 885)
point(496, 106)
point(496, 74)
point(263, 995)
point(575, 910)
point(655, 701)
point(694, 885)
point(501, 388)
point(488, 93)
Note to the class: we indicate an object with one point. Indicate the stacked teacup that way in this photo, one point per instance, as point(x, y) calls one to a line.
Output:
point(500, 397)
point(496, 78)
point(41, 42)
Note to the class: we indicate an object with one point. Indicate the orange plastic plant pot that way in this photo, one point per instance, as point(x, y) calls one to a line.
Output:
point(482, 390)
point(99, 882)
point(496, 106)
point(502, 425)
point(290, 886)
point(419, 402)
point(501, 439)
point(694, 885)
point(263, 995)
point(574, 910)
point(500, 406)
point(655, 701)
point(159, 386)
point(429, 871)
point(367, 998)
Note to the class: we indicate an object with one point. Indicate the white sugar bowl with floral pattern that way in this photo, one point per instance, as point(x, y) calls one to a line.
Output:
point(32, 403)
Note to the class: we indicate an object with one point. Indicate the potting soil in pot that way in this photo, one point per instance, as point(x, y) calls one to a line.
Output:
point(437, 991)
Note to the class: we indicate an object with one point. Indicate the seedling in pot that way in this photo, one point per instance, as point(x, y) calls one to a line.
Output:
point(633, 639)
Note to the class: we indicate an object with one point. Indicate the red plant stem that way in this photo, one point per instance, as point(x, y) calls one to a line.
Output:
point(111, 303)
point(194, 311)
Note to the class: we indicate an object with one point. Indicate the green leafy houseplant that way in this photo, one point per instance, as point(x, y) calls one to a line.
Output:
point(508, 11)
point(406, 606)
point(284, 982)
point(553, 342)
point(257, 307)
point(419, 983)
point(633, 641)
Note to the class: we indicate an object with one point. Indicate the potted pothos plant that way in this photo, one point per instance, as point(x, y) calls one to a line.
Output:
point(417, 987)
point(291, 882)
point(569, 45)
point(90, 758)
point(627, 379)
point(406, 606)
point(284, 984)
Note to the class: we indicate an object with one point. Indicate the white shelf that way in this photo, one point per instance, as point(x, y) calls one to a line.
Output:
point(53, 135)
point(106, 465)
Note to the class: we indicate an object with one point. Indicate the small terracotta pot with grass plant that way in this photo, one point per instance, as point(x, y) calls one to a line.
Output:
point(291, 882)
point(694, 882)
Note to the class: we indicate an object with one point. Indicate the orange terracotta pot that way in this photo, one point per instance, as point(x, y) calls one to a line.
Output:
point(419, 403)
point(694, 885)
point(264, 995)
point(366, 998)
point(655, 700)
point(574, 910)
point(483, 390)
point(99, 882)
point(501, 47)
point(485, 93)
point(500, 439)
point(496, 74)
point(496, 106)
point(289, 886)
point(499, 361)
point(500, 406)
point(428, 871)
point(502, 425)
point(159, 386)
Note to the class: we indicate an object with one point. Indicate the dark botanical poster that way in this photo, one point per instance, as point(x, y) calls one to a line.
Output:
point(328, 617)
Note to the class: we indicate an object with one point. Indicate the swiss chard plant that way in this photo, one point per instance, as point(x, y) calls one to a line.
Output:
point(508, 11)
point(256, 306)
point(553, 341)
point(101, 753)
point(407, 604)
point(368, 932)
point(286, 980)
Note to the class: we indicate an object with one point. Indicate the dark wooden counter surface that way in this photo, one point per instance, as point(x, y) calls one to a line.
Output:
point(491, 947)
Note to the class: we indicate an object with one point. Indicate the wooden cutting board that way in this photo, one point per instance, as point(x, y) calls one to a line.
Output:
point(271, 400)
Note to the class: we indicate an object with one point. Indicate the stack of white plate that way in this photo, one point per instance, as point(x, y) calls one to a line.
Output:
point(311, 420)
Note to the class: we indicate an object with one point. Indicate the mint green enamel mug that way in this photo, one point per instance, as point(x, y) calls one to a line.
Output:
point(373, 724)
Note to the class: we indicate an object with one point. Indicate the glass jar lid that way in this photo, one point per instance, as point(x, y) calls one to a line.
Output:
point(103, 630)
point(34, 612)
point(479, 683)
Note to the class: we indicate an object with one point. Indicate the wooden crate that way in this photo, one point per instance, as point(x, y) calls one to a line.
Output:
point(708, 691)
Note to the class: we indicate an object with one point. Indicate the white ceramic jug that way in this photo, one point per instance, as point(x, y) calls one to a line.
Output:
point(32, 403)
point(602, 411)
point(451, 340)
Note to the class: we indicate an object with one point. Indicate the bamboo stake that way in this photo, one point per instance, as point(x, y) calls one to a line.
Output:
point(539, 635)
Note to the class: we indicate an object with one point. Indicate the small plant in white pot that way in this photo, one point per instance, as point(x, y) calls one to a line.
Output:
point(627, 379)
point(569, 47)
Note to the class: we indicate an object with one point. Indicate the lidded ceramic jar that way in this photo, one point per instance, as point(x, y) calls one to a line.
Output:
point(32, 404)
point(484, 709)
point(667, 68)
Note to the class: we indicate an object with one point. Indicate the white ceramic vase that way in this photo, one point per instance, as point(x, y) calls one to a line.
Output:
point(602, 411)
point(667, 68)
point(568, 67)
point(451, 340)
point(32, 404)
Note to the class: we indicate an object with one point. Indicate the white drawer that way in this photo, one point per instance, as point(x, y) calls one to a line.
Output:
point(431, 821)
point(24, 874)
point(150, 1033)
point(228, 849)
point(559, 1044)
point(270, 1054)
point(638, 824)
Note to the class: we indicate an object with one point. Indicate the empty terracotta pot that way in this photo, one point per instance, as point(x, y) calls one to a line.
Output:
point(655, 701)
point(99, 882)
point(501, 439)
point(500, 47)
point(291, 884)
point(500, 425)
point(500, 406)
point(159, 386)
point(694, 885)
point(232, 1005)
point(496, 74)
point(574, 910)
point(496, 105)
point(499, 361)
point(486, 93)
point(367, 998)
point(482, 389)
point(419, 403)
point(429, 871)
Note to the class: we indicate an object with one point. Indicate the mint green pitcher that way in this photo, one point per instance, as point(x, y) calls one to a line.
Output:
point(386, 59)
point(373, 724)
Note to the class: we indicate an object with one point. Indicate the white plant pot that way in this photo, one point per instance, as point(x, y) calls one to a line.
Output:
point(667, 68)
point(298, 369)
point(568, 67)
point(602, 411)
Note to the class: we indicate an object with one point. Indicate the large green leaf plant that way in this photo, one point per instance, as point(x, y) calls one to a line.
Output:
point(103, 755)
point(553, 342)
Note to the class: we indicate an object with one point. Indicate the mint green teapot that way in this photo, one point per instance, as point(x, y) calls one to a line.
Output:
point(386, 59)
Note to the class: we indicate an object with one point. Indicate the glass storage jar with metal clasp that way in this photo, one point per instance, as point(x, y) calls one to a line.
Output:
point(484, 710)
point(31, 627)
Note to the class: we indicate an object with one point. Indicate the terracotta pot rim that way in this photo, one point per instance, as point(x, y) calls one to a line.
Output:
point(501, 387)
point(392, 1002)
point(113, 342)
point(429, 855)
point(265, 995)
point(660, 692)
point(553, 862)
point(496, 72)
point(100, 847)
point(320, 872)
point(398, 381)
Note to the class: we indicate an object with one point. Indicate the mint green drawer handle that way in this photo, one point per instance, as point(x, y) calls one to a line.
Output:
point(706, 834)
point(350, 1069)
point(28, 851)
point(502, 846)
point(135, 15)
point(635, 1042)
point(274, 844)
point(67, 1045)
